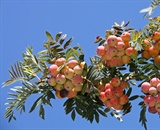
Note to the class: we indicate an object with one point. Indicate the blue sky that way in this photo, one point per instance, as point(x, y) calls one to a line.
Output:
point(24, 23)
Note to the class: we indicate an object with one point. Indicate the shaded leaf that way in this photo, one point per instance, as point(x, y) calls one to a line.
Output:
point(41, 111)
point(73, 115)
point(58, 36)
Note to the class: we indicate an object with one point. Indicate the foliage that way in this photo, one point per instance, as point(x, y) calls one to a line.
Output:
point(33, 74)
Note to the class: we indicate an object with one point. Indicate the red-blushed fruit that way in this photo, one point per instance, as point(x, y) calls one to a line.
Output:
point(78, 88)
point(120, 46)
point(102, 96)
point(72, 93)
point(77, 80)
point(125, 36)
point(158, 87)
point(108, 85)
point(72, 63)
point(156, 36)
point(53, 70)
point(60, 61)
point(123, 84)
point(157, 59)
point(153, 51)
point(60, 79)
point(58, 87)
point(153, 91)
point(109, 93)
point(154, 81)
point(115, 81)
point(63, 93)
point(118, 91)
point(117, 61)
point(146, 44)
point(119, 39)
point(158, 97)
point(69, 73)
point(145, 86)
point(126, 59)
point(118, 107)
point(123, 99)
point(112, 40)
point(146, 55)
point(108, 104)
point(101, 50)
point(78, 70)
point(112, 51)
point(62, 71)
point(152, 110)
point(150, 101)
point(114, 101)
point(110, 64)
point(157, 107)
point(157, 45)
point(106, 46)
point(101, 88)
point(130, 51)
point(145, 99)
point(106, 57)
point(68, 85)
point(58, 94)
point(52, 81)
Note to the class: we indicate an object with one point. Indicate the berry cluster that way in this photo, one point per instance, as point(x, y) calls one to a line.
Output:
point(150, 50)
point(117, 51)
point(112, 94)
point(68, 80)
point(152, 97)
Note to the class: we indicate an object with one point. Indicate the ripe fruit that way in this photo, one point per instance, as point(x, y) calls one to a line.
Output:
point(157, 107)
point(157, 59)
point(101, 50)
point(63, 93)
point(125, 36)
point(78, 88)
point(120, 46)
point(157, 44)
point(115, 81)
point(123, 84)
point(158, 87)
point(69, 73)
point(102, 96)
point(152, 91)
point(112, 40)
point(58, 94)
point(145, 86)
point(109, 93)
point(72, 93)
point(78, 70)
point(146, 55)
point(114, 101)
point(59, 87)
point(127, 44)
point(68, 85)
point(118, 107)
point(112, 51)
point(146, 44)
point(108, 85)
point(130, 51)
point(120, 53)
point(119, 39)
point(153, 51)
point(158, 97)
point(60, 61)
point(53, 70)
point(108, 104)
point(152, 110)
point(118, 92)
point(126, 59)
point(154, 81)
point(150, 101)
point(101, 88)
point(123, 99)
point(60, 79)
point(77, 80)
point(156, 36)
point(52, 81)
point(72, 63)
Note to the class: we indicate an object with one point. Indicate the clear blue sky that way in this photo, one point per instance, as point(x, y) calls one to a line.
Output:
point(24, 22)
